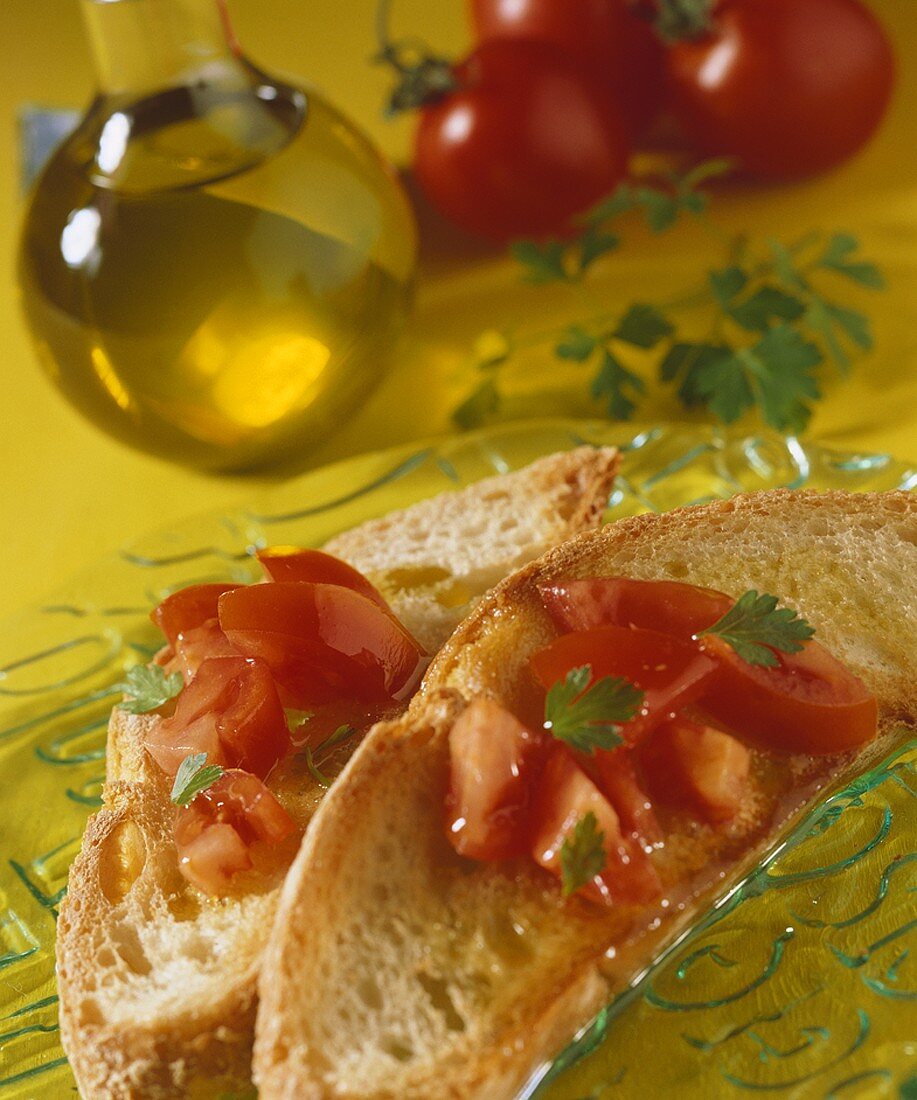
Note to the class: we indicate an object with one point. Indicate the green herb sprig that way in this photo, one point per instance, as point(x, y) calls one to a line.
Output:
point(582, 854)
point(771, 318)
point(755, 626)
point(194, 776)
point(342, 733)
point(148, 687)
point(586, 714)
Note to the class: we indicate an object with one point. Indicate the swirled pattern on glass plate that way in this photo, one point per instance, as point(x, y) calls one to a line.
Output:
point(800, 983)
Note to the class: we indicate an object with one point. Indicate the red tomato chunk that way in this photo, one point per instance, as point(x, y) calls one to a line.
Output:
point(672, 673)
point(322, 642)
point(696, 768)
point(288, 563)
point(494, 758)
point(565, 795)
point(216, 833)
point(232, 712)
point(188, 608)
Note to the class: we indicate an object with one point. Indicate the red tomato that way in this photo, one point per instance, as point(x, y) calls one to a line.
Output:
point(493, 758)
point(288, 563)
point(789, 88)
point(196, 645)
point(667, 606)
point(322, 642)
point(565, 795)
point(231, 711)
point(617, 778)
point(697, 768)
point(604, 35)
point(216, 833)
point(188, 608)
point(526, 141)
point(811, 703)
point(670, 672)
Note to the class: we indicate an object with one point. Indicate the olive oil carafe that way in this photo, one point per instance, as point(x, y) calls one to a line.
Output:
point(215, 265)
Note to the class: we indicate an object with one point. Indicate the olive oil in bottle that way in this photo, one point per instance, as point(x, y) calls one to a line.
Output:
point(215, 265)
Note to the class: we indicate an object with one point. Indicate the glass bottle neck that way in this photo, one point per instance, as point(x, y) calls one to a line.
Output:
point(141, 45)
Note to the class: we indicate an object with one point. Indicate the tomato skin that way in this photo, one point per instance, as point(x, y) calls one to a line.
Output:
point(603, 35)
point(188, 608)
point(667, 606)
point(322, 642)
point(231, 711)
point(788, 88)
point(196, 645)
point(289, 563)
point(494, 759)
point(216, 832)
point(616, 777)
point(811, 703)
point(697, 768)
point(672, 673)
point(527, 141)
point(565, 795)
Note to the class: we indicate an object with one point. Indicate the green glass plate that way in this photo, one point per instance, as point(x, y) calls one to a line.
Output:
point(798, 984)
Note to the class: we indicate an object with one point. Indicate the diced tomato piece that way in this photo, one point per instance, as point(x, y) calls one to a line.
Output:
point(672, 673)
point(696, 768)
point(617, 778)
point(216, 833)
point(188, 608)
point(493, 761)
point(810, 703)
point(169, 742)
point(197, 644)
point(210, 860)
point(565, 795)
point(667, 606)
point(322, 642)
point(231, 711)
point(289, 563)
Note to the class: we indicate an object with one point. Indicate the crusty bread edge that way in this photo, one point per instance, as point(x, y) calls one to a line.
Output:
point(126, 1062)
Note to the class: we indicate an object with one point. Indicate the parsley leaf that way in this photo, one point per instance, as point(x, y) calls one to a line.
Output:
point(755, 626)
point(643, 326)
point(586, 715)
point(691, 362)
point(766, 304)
point(194, 776)
point(149, 687)
point(582, 854)
point(836, 257)
point(659, 208)
point(781, 363)
point(342, 733)
point(595, 243)
point(727, 284)
point(620, 201)
point(722, 383)
point(610, 383)
point(576, 344)
point(544, 263)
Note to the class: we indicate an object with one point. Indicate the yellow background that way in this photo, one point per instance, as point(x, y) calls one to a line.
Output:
point(69, 494)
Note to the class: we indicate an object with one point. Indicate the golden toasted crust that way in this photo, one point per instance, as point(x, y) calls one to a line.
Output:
point(396, 969)
point(158, 989)
point(125, 905)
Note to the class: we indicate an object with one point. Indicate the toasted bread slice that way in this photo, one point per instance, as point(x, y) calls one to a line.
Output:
point(158, 983)
point(397, 969)
point(434, 560)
